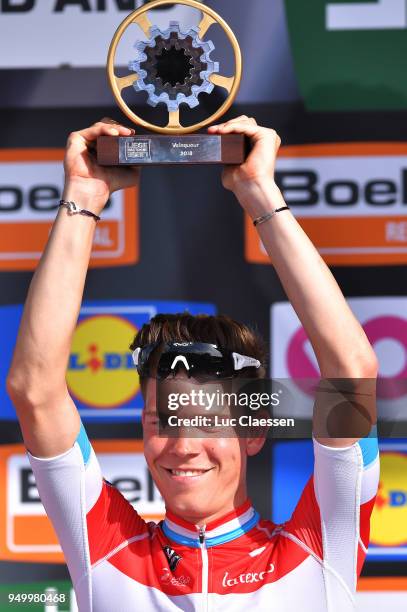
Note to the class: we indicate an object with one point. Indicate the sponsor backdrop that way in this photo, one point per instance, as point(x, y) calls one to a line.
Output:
point(31, 184)
point(101, 375)
point(25, 531)
point(329, 76)
point(292, 464)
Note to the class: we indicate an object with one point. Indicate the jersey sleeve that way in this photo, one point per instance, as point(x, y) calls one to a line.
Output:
point(332, 517)
point(92, 519)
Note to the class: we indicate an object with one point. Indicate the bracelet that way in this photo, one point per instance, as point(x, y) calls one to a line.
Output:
point(268, 216)
point(74, 209)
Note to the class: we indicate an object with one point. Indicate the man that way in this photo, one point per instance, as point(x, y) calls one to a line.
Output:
point(212, 552)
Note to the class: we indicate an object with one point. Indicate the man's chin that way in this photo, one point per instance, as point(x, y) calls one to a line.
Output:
point(188, 507)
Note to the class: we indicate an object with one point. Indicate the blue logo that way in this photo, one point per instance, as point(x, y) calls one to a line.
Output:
point(101, 376)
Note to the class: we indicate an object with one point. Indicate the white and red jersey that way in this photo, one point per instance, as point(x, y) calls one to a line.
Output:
point(120, 563)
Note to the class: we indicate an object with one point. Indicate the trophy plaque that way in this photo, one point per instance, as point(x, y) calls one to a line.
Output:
point(172, 66)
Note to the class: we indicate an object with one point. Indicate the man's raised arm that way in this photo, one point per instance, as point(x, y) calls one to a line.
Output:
point(36, 380)
point(339, 342)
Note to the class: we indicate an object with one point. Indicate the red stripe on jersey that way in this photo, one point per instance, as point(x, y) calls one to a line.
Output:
point(115, 518)
point(230, 567)
point(360, 560)
point(366, 510)
point(305, 522)
point(146, 563)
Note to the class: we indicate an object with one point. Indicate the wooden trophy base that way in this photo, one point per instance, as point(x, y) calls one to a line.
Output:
point(154, 149)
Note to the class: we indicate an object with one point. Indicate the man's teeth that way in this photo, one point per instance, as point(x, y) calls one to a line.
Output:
point(188, 472)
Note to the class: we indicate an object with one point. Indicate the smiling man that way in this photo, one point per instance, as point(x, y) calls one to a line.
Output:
point(213, 551)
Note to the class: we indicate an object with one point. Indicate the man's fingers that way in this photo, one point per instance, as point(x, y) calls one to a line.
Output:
point(241, 119)
point(241, 127)
point(249, 128)
point(106, 127)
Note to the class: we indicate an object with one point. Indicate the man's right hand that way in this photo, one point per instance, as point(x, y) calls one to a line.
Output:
point(37, 378)
point(87, 183)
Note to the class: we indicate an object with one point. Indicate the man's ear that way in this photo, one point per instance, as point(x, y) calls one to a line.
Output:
point(256, 443)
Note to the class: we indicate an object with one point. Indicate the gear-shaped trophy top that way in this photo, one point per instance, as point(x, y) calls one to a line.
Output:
point(174, 66)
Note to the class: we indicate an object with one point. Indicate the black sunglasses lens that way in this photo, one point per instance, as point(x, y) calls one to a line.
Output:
point(195, 364)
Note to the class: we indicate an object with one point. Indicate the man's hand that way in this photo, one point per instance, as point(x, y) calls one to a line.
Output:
point(37, 377)
point(87, 183)
point(258, 169)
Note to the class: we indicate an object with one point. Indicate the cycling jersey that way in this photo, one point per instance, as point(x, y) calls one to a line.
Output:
point(120, 563)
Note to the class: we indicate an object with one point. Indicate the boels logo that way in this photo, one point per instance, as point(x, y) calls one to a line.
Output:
point(30, 188)
point(26, 533)
point(350, 198)
point(101, 373)
point(389, 518)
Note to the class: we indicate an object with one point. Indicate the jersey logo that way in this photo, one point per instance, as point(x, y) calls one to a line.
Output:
point(172, 557)
point(181, 581)
point(248, 578)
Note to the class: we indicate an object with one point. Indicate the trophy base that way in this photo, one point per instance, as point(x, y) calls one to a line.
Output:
point(159, 149)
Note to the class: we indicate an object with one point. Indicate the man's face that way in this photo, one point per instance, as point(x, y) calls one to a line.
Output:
point(217, 482)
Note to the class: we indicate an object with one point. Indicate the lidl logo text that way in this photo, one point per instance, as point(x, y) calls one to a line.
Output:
point(389, 518)
point(96, 361)
point(100, 374)
point(393, 498)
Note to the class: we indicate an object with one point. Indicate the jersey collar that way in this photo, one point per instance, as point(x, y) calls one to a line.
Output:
point(224, 529)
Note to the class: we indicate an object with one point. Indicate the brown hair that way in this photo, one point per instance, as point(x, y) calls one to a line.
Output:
point(220, 329)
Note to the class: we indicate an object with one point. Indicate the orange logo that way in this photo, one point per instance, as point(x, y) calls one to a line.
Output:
point(350, 198)
point(26, 533)
point(30, 188)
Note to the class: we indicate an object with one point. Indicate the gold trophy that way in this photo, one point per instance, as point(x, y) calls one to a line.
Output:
point(172, 67)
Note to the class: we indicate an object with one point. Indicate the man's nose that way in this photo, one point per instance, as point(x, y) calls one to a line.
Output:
point(184, 444)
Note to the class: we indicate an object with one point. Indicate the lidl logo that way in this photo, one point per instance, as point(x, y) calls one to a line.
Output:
point(364, 45)
point(101, 370)
point(31, 183)
point(292, 465)
point(26, 534)
point(350, 198)
point(388, 533)
point(101, 376)
point(392, 498)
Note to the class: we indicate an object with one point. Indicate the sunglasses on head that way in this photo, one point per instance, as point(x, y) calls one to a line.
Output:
point(197, 358)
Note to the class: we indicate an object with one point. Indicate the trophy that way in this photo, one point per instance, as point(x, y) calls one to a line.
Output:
point(172, 66)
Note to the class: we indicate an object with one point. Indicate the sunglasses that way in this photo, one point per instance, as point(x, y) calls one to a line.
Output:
point(199, 359)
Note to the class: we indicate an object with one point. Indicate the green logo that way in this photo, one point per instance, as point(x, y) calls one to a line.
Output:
point(350, 55)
